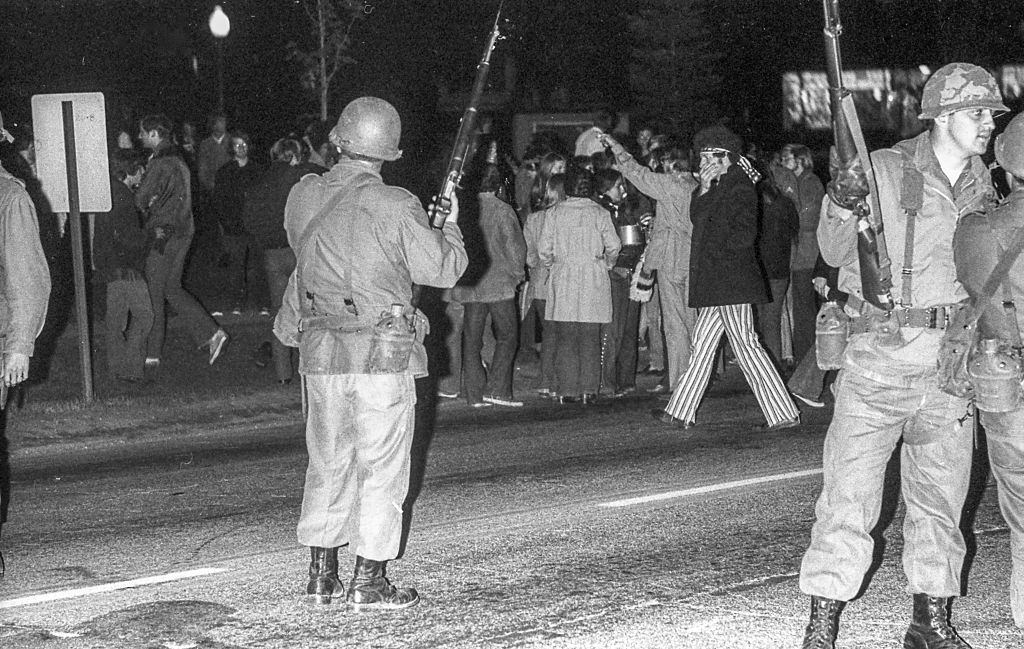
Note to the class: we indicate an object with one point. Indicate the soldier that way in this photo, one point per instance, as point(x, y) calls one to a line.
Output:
point(979, 242)
point(887, 389)
point(360, 245)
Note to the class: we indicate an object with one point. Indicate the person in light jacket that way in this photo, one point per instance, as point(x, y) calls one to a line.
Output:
point(579, 246)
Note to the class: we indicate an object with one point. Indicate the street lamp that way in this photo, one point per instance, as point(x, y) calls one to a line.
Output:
point(219, 27)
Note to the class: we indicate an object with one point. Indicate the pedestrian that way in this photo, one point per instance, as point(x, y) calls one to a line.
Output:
point(668, 253)
point(579, 246)
point(165, 199)
point(794, 174)
point(119, 247)
point(537, 289)
point(980, 241)
point(619, 337)
point(888, 388)
point(778, 225)
point(263, 218)
point(24, 292)
point(360, 245)
point(725, 280)
point(492, 293)
point(245, 268)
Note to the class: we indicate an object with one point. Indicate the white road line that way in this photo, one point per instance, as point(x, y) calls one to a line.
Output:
point(711, 488)
point(106, 588)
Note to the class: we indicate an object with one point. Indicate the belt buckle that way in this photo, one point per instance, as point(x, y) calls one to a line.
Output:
point(933, 313)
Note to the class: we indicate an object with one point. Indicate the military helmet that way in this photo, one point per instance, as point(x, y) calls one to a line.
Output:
point(1010, 147)
point(370, 127)
point(957, 86)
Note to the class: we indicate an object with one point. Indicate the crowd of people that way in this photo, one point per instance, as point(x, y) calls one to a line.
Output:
point(574, 250)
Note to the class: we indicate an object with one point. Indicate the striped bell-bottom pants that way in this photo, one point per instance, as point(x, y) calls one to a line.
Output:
point(737, 322)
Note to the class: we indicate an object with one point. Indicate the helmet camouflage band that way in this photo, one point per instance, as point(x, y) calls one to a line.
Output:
point(958, 86)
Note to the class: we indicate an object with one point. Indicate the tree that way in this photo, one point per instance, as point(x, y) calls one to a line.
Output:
point(332, 22)
point(673, 67)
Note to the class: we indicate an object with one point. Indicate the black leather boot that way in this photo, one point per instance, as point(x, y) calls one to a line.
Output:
point(930, 628)
point(370, 589)
point(324, 584)
point(821, 630)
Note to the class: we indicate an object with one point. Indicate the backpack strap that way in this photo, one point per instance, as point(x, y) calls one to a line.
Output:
point(911, 200)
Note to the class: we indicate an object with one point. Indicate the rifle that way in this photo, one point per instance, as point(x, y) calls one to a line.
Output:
point(875, 267)
point(441, 207)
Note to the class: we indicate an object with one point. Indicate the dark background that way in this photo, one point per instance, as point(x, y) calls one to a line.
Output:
point(568, 55)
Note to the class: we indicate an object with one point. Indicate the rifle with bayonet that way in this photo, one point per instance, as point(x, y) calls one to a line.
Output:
point(854, 186)
point(441, 207)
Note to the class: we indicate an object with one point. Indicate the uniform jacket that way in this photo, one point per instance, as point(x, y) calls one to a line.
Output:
point(538, 288)
point(579, 246)
point(265, 199)
point(505, 250)
point(24, 276)
point(382, 235)
point(119, 241)
point(165, 194)
point(934, 278)
point(806, 192)
point(723, 259)
point(980, 240)
point(668, 250)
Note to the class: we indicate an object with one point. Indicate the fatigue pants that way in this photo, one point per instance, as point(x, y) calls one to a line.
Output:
point(359, 434)
point(870, 418)
point(1005, 433)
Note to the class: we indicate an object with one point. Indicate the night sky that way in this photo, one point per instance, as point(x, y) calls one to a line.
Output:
point(140, 52)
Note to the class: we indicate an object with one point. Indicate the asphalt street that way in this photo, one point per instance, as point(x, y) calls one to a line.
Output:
point(547, 526)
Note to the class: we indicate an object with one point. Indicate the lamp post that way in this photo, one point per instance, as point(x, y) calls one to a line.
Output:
point(219, 27)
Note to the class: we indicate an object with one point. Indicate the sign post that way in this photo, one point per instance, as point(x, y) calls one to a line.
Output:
point(69, 128)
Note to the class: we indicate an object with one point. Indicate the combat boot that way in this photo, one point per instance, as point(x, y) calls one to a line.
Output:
point(821, 630)
point(323, 583)
point(930, 628)
point(370, 589)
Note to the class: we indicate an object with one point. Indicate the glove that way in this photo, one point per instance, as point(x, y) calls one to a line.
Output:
point(849, 183)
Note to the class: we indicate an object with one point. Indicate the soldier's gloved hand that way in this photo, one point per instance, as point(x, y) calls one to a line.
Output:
point(849, 183)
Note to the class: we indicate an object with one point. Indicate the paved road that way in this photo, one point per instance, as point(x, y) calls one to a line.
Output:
point(547, 526)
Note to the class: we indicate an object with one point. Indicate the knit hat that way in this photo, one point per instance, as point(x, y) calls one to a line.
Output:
point(717, 137)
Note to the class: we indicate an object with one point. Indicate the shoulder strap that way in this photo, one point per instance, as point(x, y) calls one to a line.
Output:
point(911, 200)
point(317, 221)
point(999, 273)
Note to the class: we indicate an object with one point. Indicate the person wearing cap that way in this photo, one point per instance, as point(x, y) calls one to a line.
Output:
point(725, 281)
point(887, 390)
point(980, 240)
point(360, 245)
point(24, 291)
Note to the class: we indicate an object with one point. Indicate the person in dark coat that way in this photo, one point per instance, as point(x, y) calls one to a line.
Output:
point(725, 280)
point(777, 232)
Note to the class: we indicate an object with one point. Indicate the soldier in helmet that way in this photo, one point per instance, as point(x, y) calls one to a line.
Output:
point(887, 390)
point(981, 239)
point(360, 245)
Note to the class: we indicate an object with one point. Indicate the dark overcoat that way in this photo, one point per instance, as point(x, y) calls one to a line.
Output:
point(723, 257)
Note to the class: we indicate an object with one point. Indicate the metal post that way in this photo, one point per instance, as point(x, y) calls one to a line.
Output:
point(220, 75)
point(78, 257)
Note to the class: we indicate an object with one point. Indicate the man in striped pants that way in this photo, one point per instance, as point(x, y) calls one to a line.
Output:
point(725, 280)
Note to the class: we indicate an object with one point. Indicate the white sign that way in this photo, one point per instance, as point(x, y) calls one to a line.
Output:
point(90, 150)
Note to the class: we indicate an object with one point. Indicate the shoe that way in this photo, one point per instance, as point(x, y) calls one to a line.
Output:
point(508, 402)
point(545, 392)
point(666, 418)
point(370, 589)
point(780, 425)
point(447, 395)
point(813, 403)
point(481, 404)
point(650, 371)
point(283, 382)
point(263, 355)
point(264, 311)
point(588, 399)
point(623, 392)
point(216, 344)
point(821, 630)
point(658, 389)
point(217, 314)
point(152, 362)
point(236, 311)
point(323, 584)
point(930, 627)
point(564, 399)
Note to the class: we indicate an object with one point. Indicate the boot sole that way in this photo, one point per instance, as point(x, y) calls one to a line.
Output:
point(383, 606)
